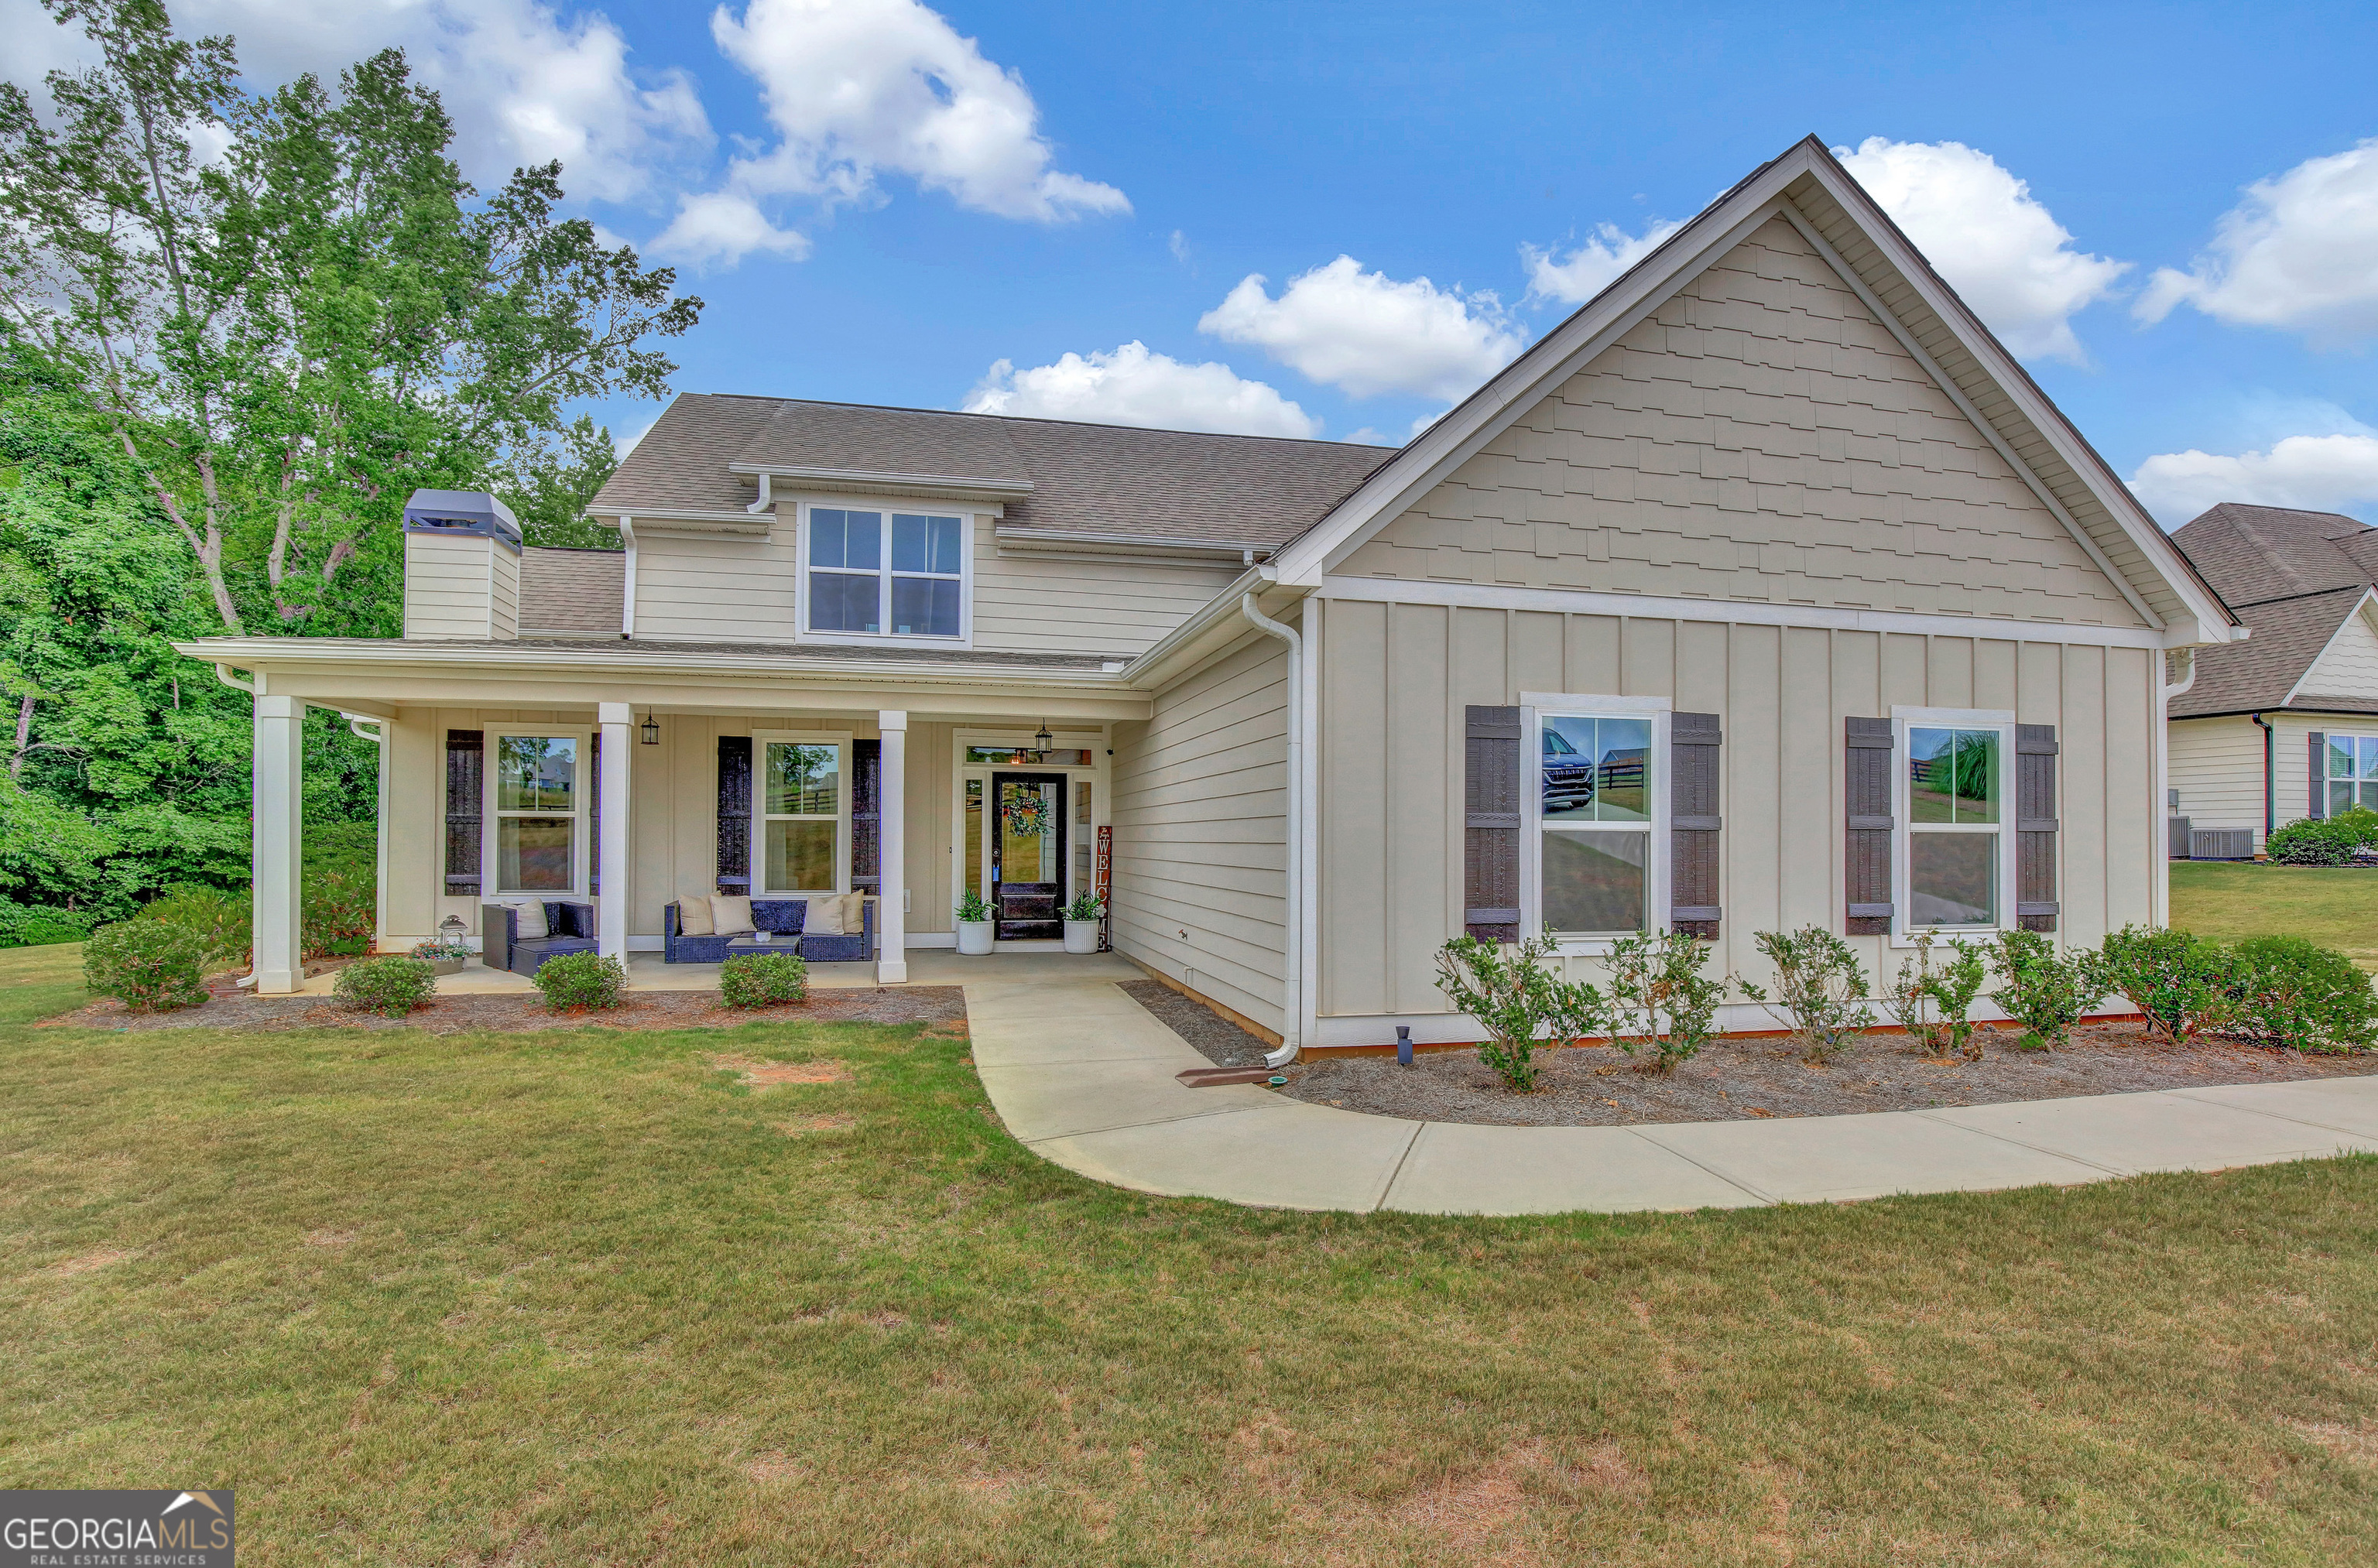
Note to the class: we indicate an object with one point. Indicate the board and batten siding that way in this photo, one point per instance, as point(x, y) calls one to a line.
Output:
point(1762, 436)
point(1395, 679)
point(703, 589)
point(1200, 890)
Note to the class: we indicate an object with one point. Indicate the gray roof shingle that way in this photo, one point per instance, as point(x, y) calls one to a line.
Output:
point(1244, 492)
point(2292, 577)
point(571, 590)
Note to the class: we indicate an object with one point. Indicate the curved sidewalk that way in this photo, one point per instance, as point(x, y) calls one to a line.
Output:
point(1082, 1075)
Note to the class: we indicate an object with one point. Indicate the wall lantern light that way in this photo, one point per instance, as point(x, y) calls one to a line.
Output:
point(652, 729)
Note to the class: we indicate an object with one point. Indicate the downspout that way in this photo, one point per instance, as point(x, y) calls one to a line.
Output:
point(1292, 956)
point(2165, 689)
point(2270, 803)
point(628, 579)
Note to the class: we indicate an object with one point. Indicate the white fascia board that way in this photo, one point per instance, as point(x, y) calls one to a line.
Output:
point(1737, 612)
point(960, 485)
point(2361, 607)
point(1025, 539)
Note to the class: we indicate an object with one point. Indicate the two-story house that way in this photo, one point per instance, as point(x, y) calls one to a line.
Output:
point(1766, 590)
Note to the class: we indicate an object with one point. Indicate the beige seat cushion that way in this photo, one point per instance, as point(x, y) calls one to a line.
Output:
point(693, 917)
point(825, 916)
point(528, 921)
point(730, 917)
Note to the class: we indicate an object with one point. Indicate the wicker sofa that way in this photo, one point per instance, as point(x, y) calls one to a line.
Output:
point(570, 927)
point(782, 916)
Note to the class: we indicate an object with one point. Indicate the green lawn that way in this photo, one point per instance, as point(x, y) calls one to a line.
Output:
point(2337, 906)
point(582, 1298)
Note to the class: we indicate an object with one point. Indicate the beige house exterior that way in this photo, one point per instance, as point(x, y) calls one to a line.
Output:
point(1676, 622)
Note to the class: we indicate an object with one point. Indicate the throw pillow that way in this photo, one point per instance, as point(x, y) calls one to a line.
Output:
point(824, 917)
point(693, 917)
point(854, 913)
point(528, 924)
point(730, 917)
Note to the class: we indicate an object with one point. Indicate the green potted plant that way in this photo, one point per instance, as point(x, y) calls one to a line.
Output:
point(974, 923)
point(1082, 924)
point(445, 957)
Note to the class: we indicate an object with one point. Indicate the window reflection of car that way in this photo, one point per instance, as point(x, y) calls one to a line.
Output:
point(1569, 777)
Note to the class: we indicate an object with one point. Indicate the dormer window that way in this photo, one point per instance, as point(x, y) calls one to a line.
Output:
point(870, 573)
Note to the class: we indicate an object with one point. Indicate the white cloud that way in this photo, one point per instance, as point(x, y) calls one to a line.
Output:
point(1137, 385)
point(724, 228)
point(1591, 266)
point(521, 83)
point(1998, 247)
point(856, 88)
point(1367, 333)
point(2300, 253)
point(2332, 473)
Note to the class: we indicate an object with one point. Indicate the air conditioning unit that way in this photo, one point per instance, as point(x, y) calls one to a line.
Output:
point(2176, 844)
point(2221, 843)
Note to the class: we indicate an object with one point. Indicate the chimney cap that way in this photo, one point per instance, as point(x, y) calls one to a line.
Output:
point(461, 511)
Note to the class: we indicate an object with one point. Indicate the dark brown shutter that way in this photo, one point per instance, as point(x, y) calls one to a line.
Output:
point(1693, 824)
point(734, 814)
point(1865, 861)
point(1490, 836)
point(866, 814)
point(2318, 774)
point(594, 819)
point(465, 785)
point(2034, 827)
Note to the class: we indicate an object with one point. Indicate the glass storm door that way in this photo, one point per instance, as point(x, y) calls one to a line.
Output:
point(1027, 855)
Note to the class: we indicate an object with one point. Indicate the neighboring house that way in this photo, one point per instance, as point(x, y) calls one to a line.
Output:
point(2285, 725)
point(1765, 590)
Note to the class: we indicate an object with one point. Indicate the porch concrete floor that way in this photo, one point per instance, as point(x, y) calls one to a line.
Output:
point(927, 966)
point(1084, 1076)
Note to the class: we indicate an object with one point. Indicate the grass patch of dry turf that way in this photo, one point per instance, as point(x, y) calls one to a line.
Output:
point(621, 1298)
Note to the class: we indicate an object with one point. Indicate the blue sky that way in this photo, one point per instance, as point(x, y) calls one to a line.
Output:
point(882, 202)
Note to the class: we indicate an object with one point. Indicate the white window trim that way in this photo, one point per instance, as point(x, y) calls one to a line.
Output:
point(885, 507)
point(581, 848)
point(2326, 778)
point(1903, 932)
point(1098, 773)
point(1533, 707)
point(761, 741)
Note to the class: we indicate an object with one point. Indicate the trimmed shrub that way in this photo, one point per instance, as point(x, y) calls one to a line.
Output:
point(148, 965)
point(2299, 995)
point(2180, 981)
point(1932, 1005)
point(2312, 842)
point(1658, 998)
point(341, 909)
point(220, 919)
point(391, 987)
point(581, 979)
point(1820, 989)
point(763, 980)
point(1518, 997)
point(2043, 990)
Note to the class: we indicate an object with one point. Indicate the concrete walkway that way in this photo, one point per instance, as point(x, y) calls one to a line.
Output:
point(1084, 1076)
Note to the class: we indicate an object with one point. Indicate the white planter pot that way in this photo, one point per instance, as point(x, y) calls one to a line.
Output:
point(974, 936)
point(1081, 935)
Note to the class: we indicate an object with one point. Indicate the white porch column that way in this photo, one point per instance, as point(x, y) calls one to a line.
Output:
point(278, 859)
point(891, 838)
point(611, 903)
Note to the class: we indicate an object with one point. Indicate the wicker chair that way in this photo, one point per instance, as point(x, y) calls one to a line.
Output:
point(570, 927)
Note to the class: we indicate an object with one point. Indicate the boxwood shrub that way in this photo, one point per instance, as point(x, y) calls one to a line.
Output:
point(581, 979)
point(391, 987)
point(2300, 996)
point(763, 980)
point(148, 965)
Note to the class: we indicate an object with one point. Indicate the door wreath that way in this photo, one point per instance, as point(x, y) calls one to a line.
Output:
point(1027, 815)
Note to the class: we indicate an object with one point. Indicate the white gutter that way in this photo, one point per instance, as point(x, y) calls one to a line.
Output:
point(628, 578)
point(224, 673)
point(1293, 966)
point(2160, 915)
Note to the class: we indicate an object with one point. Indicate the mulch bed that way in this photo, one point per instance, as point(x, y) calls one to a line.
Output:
point(1744, 1077)
point(939, 1005)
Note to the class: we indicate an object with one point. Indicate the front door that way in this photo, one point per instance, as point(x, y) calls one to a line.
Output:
point(1027, 855)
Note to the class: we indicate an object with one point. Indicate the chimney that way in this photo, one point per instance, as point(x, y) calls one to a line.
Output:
point(461, 567)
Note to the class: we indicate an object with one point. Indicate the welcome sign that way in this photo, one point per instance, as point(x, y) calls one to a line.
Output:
point(115, 1529)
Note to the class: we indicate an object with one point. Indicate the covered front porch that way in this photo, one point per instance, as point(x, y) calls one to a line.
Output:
point(627, 780)
point(927, 966)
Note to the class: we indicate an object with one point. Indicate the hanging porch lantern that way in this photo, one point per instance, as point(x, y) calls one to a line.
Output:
point(652, 729)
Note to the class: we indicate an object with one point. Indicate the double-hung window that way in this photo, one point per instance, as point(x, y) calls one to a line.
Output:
point(885, 574)
point(2352, 769)
point(804, 799)
point(1596, 871)
point(540, 783)
point(1957, 860)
